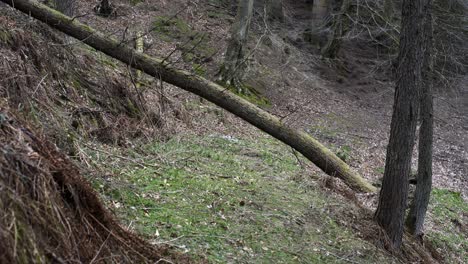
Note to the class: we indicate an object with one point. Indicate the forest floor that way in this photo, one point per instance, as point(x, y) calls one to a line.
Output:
point(346, 105)
point(220, 190)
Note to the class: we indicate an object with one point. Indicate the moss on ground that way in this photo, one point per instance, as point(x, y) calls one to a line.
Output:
point(449, 212)
point(228, 200)
point(195, 46)
point(5, 36)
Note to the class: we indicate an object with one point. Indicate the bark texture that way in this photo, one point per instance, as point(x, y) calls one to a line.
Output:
point(139, 47)
point(275, 10)
point(301, 141)
point(417, 213)
point(389, 9)
point(339, 28)
point(233, 69)
point(320, 9)
point(390, 212)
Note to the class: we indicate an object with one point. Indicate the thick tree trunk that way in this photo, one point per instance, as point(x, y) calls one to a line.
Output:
point(394, 193)
point(301, 141)
point(233, 69)
point(415, 219)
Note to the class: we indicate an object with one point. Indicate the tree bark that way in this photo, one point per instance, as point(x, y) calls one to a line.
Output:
point(275, 10)
point(388, 10)
point(320, 9)
point(340, 26)
point(301, 141)
point(233, 69)
point(390, 212)
point(139, 47)
point(417, 213)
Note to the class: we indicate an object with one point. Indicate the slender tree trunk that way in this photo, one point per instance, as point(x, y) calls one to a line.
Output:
point(417, 213)
point(233, 69)
point(301, 141)
point(275, 10)
point(139, 47)
point(389, 9)
point(390, 212)
point(320, 10)
point(339, 28)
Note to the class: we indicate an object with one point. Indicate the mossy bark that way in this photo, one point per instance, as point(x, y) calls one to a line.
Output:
point(299, 140)
point(235, 61)
point(139, 47)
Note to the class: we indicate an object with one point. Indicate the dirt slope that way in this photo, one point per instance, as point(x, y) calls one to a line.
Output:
point(348, 107)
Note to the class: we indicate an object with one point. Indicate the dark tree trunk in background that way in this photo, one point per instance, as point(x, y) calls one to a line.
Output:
point(233, 69)
point(389, 9)
point(320, 10)
point(104, 8)
point(415, 219)
point(390, 212)
point(65, 6)
point(339, 28)
point(275, 10)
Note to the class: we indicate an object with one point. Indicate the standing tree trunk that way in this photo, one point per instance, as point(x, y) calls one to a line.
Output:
point(388, 10)
point(415, 219)
point(340, 26)
point(275, 10)
point(65, 6)
point(234, 67)
point(390, 212)
point(320, 9)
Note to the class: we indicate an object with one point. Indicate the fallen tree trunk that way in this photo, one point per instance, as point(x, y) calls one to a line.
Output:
point(301, 141)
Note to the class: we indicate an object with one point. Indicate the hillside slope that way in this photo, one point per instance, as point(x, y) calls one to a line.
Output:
point(218, 188)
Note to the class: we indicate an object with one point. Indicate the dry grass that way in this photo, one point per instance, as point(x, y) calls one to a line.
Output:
point(51, 214)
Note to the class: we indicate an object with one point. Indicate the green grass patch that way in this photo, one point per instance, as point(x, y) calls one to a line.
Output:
point(228, 200)
point(449, 213)
point(170, 28)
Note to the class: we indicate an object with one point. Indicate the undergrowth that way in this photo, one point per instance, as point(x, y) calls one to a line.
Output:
point(228, 200)
point(450, 235)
